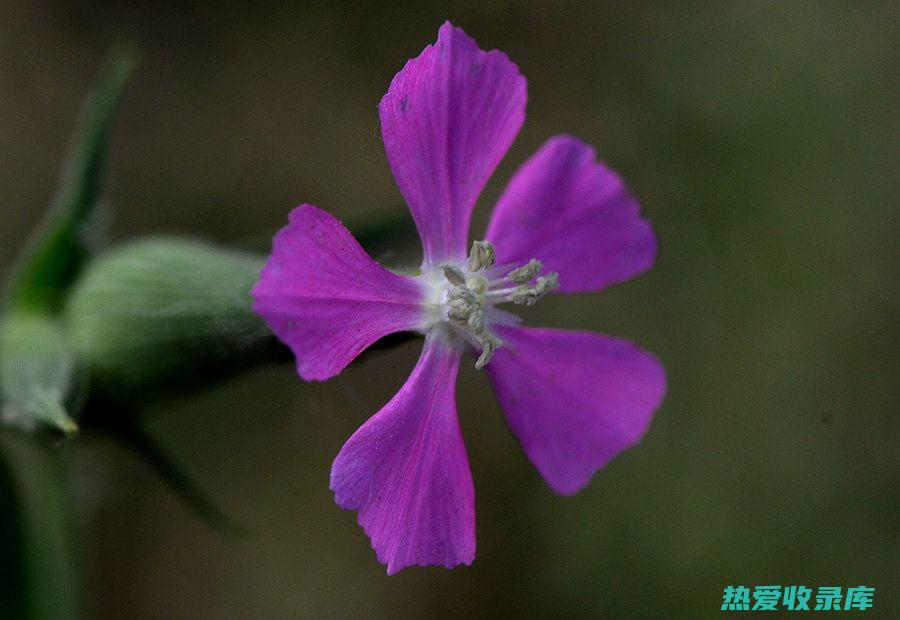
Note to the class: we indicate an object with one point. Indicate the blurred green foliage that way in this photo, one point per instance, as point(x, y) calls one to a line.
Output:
point(38, 373)
point(40, 382)
point(58, 249)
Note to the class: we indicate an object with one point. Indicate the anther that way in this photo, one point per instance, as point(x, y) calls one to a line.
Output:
point(454, 275)
point(525, 273)
point(482, 256)
point(471, 295)
point(489, 344)
point(477, 284)
point(476, 320)
point(530, 295)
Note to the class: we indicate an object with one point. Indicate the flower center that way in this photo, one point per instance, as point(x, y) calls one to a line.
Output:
point(463, 297)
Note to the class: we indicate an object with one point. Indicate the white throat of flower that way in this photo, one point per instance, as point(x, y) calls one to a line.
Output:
point(461, 298)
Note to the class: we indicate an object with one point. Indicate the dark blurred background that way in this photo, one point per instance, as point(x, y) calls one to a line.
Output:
point(761, 138)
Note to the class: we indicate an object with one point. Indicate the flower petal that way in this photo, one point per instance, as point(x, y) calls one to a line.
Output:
point(406, 471)
point(575, 215)
point(326, 298)
point(447, 120)
point(574, 399)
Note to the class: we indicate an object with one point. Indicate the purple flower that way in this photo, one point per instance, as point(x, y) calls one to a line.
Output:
point(565, 223)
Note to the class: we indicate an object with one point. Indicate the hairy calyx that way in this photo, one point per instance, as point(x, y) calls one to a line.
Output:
point(462, 297)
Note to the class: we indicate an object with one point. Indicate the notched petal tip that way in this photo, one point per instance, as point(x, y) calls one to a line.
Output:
point(406, 472)
point(573, 212)
point(575, 400)
point(393, 569)
point(447, 120)
point(327, 299)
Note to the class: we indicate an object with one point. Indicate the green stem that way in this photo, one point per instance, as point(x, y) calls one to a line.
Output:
point(37, 534)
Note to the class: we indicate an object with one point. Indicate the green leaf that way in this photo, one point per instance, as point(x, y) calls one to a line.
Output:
point(128, 430)
point(37, 374)
point(57, 250)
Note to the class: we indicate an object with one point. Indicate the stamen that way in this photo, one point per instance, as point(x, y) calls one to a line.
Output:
point(454, 275)
point(489, 344)
point(468, 296)
point(530, 295)
point(476, 320)
point(482, 256)
point(525, 273)
point(478, 285)
point(500, 295)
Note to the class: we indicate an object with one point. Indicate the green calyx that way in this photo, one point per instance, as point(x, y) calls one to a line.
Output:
point(38, 377)
point(161, 313)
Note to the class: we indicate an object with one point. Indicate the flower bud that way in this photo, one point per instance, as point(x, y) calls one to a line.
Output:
point(166, 313)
